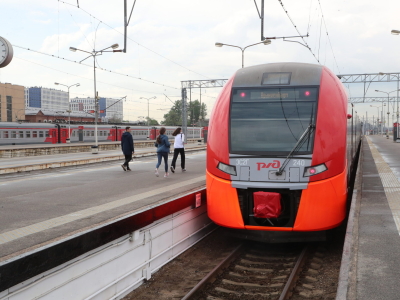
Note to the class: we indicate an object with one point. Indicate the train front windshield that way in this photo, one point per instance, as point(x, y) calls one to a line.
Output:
point(271, 121)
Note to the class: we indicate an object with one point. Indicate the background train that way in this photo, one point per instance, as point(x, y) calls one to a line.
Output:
point(38, 133)
point(282, 142)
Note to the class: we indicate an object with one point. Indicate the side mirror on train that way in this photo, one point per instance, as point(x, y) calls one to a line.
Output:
point(349, 116)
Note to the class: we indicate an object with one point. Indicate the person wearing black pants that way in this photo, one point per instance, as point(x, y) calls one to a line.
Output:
point(178, 149)
point(127, 148)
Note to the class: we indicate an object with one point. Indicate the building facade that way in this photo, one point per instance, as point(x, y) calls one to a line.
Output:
point(12, 102)
point(52, 116)
point(110, 109)
point(47, 99)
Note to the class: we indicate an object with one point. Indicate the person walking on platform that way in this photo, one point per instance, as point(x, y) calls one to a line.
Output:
point(162, 145)
point(127, 148)
point(179, 148)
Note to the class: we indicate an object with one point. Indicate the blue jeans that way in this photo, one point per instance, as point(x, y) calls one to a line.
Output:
point(160, 155)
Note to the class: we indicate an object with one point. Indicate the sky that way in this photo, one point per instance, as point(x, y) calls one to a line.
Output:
point(173, 41)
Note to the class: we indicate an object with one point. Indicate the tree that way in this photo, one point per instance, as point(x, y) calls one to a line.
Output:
point(115, 119)
point(151, 121)
point(174, 116)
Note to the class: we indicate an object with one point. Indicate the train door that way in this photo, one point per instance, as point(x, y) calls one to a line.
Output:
point(153, 133)
point(80, 133)
point(63, 135)
point(53, 136)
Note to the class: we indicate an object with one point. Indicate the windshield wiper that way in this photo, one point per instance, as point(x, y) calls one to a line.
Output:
point(297, 147)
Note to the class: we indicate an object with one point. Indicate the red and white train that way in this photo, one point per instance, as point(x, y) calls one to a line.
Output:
point(38, 133)
point(281, 145)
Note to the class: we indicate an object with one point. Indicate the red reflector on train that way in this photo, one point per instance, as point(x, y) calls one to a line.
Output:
point(266, 205)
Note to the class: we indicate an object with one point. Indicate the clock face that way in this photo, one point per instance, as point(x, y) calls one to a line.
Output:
point(6, 52)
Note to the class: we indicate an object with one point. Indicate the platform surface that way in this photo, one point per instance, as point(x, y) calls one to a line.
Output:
point(377, 273)
point(46, 206)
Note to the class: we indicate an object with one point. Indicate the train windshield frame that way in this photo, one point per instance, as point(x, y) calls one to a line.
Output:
point(270, 120)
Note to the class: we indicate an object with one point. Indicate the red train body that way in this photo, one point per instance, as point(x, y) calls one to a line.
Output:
point(280, 129)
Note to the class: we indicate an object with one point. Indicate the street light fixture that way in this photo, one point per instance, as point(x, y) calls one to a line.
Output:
point(395, 32)
point(69, 108)
point(93, 54)
point(148, 107)
point(148, 114)
point(388, 106)
point(265, 42)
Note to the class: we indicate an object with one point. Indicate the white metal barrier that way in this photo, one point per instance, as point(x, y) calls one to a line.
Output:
point(115, 269)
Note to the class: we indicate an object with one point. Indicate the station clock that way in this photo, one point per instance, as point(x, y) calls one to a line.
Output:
point(6, 52)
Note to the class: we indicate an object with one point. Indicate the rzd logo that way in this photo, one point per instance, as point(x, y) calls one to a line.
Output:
point(275, 164)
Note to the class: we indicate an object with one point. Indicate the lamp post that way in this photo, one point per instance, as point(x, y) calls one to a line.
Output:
point(377, 119)
point(265, 42)
point(388, 113)
point(69, 108)
point(93, 54)
point(148, 114)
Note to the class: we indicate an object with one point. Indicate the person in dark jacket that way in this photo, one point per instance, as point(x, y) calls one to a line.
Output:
point(127, 148)
point(162, 145)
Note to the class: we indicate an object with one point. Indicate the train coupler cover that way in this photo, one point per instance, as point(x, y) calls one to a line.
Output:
point(267, 204)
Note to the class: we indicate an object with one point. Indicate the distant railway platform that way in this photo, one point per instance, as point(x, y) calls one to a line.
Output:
point(32, 163)
point(8, 151)
point(370, 263)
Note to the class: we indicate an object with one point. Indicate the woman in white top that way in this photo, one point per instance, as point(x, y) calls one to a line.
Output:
point(178, 149)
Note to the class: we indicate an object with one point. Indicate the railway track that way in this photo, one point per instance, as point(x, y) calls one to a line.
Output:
point(253, 272)
point(224, 268)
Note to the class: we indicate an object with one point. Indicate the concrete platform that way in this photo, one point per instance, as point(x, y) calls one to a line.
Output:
point(42, 208)
point(371, 261)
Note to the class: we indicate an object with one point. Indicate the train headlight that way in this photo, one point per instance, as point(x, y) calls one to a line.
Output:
point(231, 170)
point(314, 170)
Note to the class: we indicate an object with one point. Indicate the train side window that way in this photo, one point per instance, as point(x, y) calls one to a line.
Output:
point(13, 134)
point(47, 134)
point(92, 133)
point(21, 134)
point(41, 134)
point(0, 134)
point(34, 134)
point(28, 134)
point(5, 134)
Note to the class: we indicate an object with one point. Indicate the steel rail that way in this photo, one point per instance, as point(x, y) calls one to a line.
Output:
point(293, 276)
point(212, 273)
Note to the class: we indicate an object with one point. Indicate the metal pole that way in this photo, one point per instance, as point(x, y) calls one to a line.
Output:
point(388, 118)
point(184, 116)
point(95, 100)
point(262, 20)
point(125, 25)
point(397, 113)
point(382, 119)
point(242, 58)
point(69, 117)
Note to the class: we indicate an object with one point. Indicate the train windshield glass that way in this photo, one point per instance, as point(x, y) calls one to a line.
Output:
point(271, 121)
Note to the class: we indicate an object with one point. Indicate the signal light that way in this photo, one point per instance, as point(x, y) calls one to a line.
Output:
point(314, 170)
point(242, 95)
point(307, 93)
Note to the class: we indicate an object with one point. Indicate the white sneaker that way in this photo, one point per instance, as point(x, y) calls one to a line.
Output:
point(183, 170)
point(166, 174)
point(156, 172)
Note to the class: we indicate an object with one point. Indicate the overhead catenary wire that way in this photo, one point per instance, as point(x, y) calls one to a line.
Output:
point(326, 29)
point(307, 46)
point(102, 69)
point(134, 40)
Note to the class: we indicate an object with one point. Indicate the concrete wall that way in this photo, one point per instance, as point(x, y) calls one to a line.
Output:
point(17, 94)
